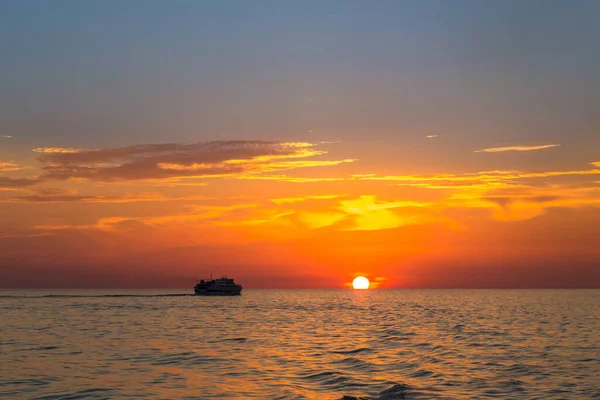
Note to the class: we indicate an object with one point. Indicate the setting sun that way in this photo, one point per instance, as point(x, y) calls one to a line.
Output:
point(360, 282)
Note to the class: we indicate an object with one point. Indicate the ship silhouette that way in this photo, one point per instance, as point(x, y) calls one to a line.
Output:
point(223, 286)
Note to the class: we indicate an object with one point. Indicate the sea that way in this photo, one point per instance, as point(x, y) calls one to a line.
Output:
point(300, 344)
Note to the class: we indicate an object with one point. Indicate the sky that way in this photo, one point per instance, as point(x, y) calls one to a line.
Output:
point(423, 144)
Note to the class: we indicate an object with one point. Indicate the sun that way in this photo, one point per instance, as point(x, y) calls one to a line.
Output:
point(360, 282)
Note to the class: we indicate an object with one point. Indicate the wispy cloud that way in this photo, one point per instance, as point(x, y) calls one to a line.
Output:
point(16, 183)
point(515, 148)
point(289, 200)
point(511, 194)
point(6, 166)
point(473, 177)
point(363, 213)
point(103, 224)
point(431, 136)
point(198, 213)
point(56, 150)
point(172, 160)
point(20, 235)
point(294, 179)
point(5, 137)
point(65, 197)
point(368, 214)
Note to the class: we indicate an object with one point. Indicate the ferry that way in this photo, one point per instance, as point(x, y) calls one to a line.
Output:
point(218, 287)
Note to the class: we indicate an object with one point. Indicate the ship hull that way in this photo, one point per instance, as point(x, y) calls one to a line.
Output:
point(218, 292)
point(218, 287)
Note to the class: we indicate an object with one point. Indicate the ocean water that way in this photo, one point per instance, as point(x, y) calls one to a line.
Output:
point(304, 344)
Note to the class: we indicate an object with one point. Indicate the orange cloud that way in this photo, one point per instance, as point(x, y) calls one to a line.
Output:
point(316, 220)
point(194, 213)
point(6, 166)
point(511, 194)
point(61, 197)
point(108, 224)
point(19, 235)
point(56, 150)
point(286, 178)
point(305, 198)
point(369, 214)
point(363, 213)
point(485, 177)
point(515, 148)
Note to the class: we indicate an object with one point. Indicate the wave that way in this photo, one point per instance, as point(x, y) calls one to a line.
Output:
point(94, 393)
point(398, 391)
point(92, 296)
point(378, 348)
point(355, 351)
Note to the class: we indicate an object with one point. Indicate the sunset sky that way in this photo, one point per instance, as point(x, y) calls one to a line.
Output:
point(423, 144)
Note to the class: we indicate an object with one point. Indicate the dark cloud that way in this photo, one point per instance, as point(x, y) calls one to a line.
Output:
point(544, 199)
point(54, 192)
point(501, 201)
point(208, 152)
point(65, 196)
point(504, 201)
point(16, 183)
point(171, 160)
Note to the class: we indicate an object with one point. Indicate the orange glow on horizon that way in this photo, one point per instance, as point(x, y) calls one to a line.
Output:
point(292, 213)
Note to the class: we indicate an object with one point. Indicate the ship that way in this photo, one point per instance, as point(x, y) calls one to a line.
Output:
point(218, 287)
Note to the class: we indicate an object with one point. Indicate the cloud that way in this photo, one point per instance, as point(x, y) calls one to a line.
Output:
point(16, 183)
point(431, 136)
point(290, 219)
point(370, 203)
point(596, 164)
point(515, 148)
point(56, 150)
point(8, 235)
point(6, 166)
point(286, 178)
point(103, 224)
point(469, 178)
point(195, 213)
point(368, 213)
point(168, 182)
point(48, 196)
point(505, 201)
point(5, 137)
point(290, 200)
point(317, 220)
point(511, 194)
point(364, 213)
point(172, 160)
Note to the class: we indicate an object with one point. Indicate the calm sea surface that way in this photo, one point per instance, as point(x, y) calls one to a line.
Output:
point(305, 344)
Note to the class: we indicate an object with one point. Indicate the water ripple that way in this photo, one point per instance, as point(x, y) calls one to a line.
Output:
point(326, 345)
